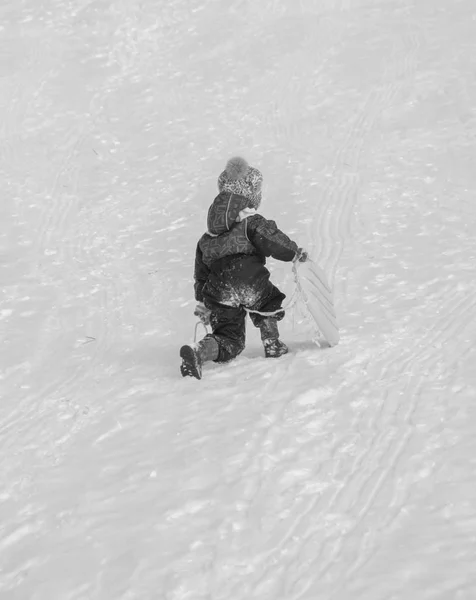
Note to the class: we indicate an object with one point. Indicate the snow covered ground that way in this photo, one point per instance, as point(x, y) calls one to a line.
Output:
point(343, 474)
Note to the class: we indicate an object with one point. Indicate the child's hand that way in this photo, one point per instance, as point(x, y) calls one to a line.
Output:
point(301, 255)
point(203, 313)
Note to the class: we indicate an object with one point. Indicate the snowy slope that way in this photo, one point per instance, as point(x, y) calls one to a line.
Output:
point(340, 474)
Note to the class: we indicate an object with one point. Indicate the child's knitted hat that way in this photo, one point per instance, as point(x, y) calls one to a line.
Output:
point(239, 178)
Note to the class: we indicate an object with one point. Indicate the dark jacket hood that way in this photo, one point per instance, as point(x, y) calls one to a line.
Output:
point(224, 211)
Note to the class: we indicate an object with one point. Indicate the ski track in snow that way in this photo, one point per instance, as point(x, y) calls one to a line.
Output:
point(338, 473)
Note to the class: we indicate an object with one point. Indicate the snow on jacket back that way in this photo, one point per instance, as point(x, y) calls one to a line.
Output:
point(231, 234)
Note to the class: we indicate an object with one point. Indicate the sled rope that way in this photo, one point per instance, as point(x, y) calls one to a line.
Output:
point(196, 329)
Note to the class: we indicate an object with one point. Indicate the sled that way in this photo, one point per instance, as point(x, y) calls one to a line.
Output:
point(316, 294)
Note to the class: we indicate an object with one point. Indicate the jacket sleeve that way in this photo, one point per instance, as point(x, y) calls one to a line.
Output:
point(269, 240)
point(200, 274)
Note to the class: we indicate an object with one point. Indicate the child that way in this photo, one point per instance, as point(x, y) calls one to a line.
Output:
point(230, 273)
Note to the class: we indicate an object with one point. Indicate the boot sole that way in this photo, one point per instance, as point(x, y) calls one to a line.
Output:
point(276, 355)
point(190, 366)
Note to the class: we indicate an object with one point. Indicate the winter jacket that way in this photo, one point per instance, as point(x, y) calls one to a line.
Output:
point(237, 240)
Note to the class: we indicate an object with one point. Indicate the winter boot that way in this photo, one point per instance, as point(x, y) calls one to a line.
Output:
point(194, 355)
point(273, 346)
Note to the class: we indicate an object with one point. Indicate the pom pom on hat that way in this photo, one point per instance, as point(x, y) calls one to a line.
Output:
point(236, 168)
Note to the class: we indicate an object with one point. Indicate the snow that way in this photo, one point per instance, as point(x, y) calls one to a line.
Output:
point(343, 473)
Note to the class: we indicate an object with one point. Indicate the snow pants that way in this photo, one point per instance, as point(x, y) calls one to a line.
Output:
point(227, 294)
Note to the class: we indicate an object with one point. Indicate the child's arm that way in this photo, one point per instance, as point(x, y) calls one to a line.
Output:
point(200, 274)
point(269, 240)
